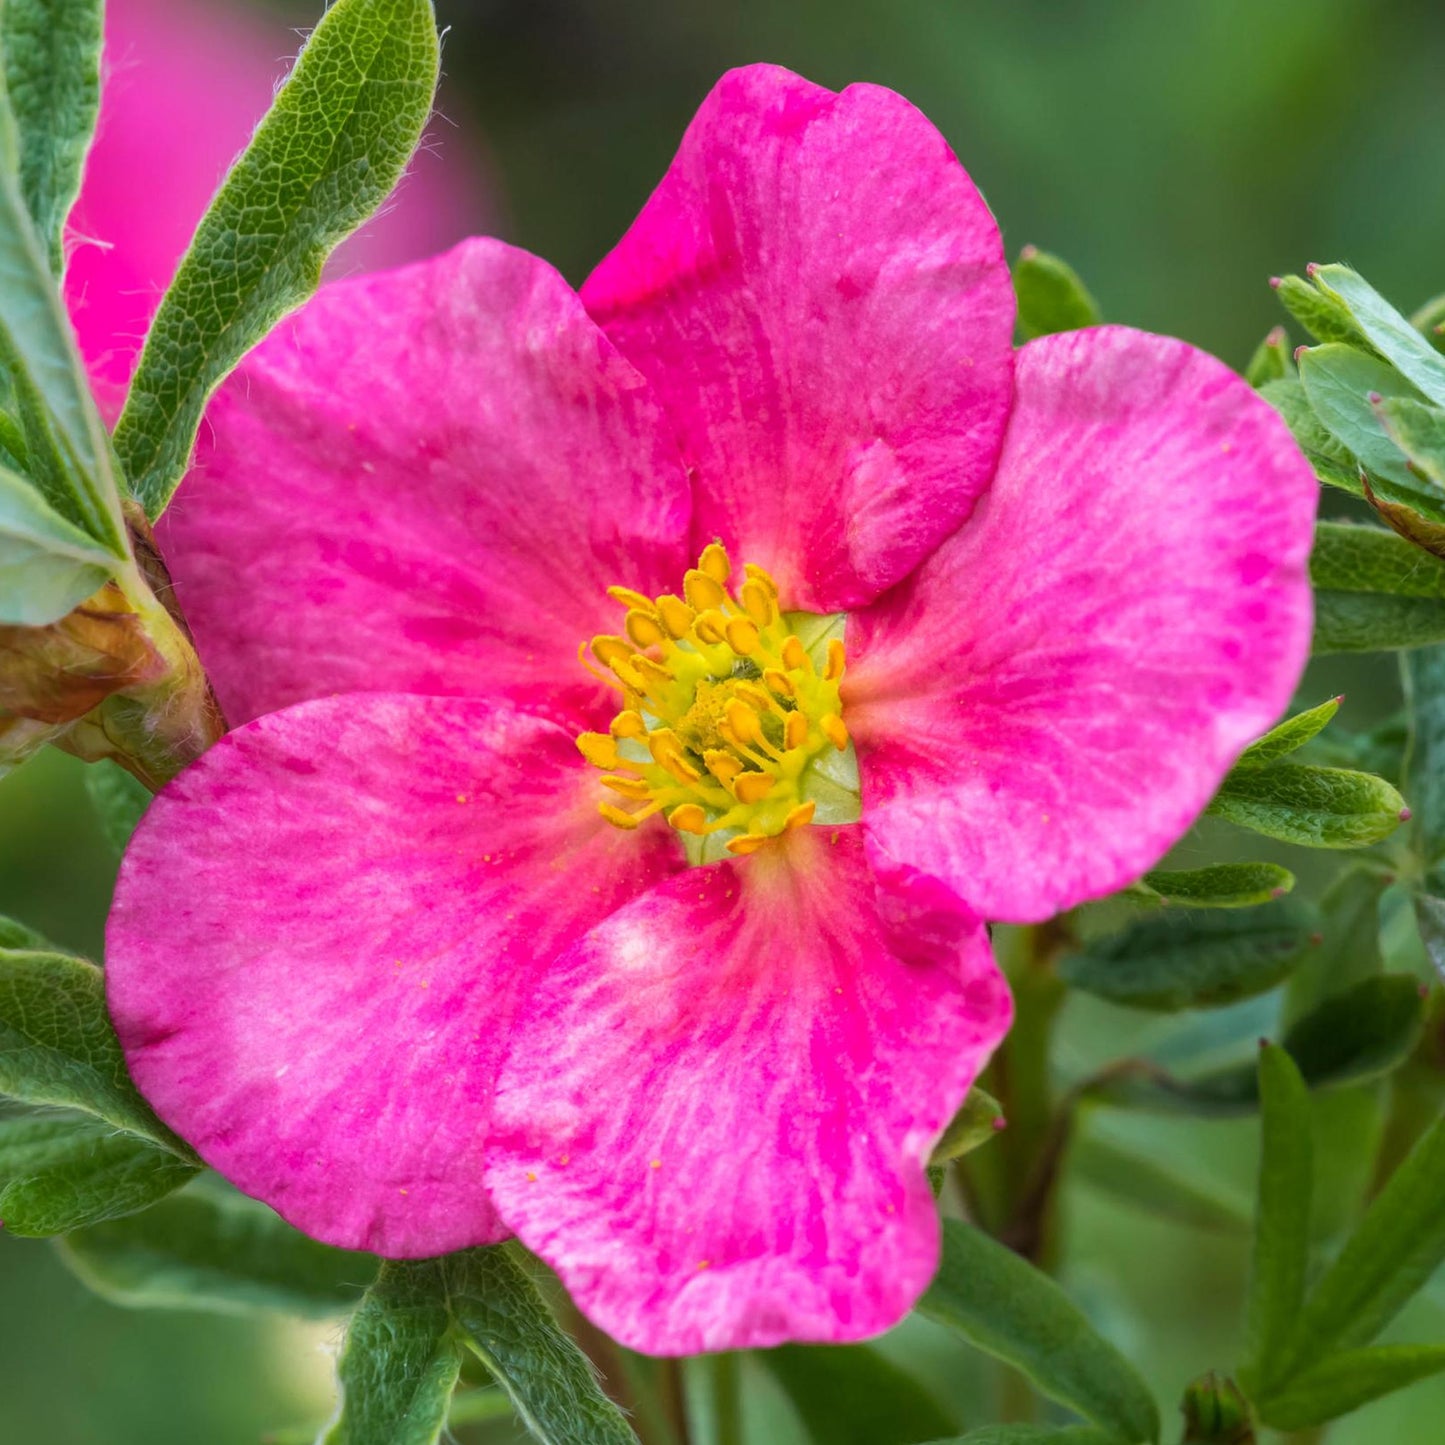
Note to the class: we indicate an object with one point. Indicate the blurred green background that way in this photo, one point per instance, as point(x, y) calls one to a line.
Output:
point(1177, 154)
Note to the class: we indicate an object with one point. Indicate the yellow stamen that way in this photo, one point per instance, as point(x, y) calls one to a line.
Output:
point(757, 602)
point(742, 636)
point(676, 615)
point(753, 787)
point(746, 843)
point(628, 724)
point(834, 730)
point(688, 818)
point(628, 598)
point(795, 655)
point(714, 561)
point(703, 591)
point(795, 730)
point(598, 749)
point(608, 649)
point(618, 818)
point(780, 682)
point(800, 816)
point(629, 787)
point(743, 722)
point(644, 629)
point(711, 627)
point(836, 658)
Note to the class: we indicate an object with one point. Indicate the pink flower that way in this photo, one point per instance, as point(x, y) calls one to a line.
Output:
point(380, 956)
point(185, 83)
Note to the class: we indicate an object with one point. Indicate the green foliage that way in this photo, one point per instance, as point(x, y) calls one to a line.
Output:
point(1051, 297)
point(1323, 316)
point(51, 52)
point(1311, 807)
point(120, 801)
point(209, 1247)
point(852, 1395)
point(1032, 1435)
point(328, 153)
point(976, 1123)
point(1222, 885)
point(1291, 735)
point(1138, 1179)
point(1194, 958)
point(402, 1355)
point(1348, 1380)
point(1271, 360)
point(1374, 590)
point(1004, 1306)
point(47, 565)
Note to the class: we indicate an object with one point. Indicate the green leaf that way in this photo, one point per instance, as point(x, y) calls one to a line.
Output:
point(503, 1319)
point(1342, 384)
point(1291, 735)
point(1032, 1435)
point(119, 799)
point(1349, 943)
point(1354, 1036)
point(1141, 1180)
point(57, 1045)
point(1051, 297)
point(47, 565)
point(401, 1357)
point(852, 1395)
point(1346, 1381)
point(210, 1247)
point(63, 1174)
point(1333, 463)
point(1419, 431)
point(1272, 360)
point(1425, 691)
point(1323, 316)
point(400, 1362)
point(1223, 885)
point(1282, 1217)
point(1311, 807)
point(1374, 590)
point(17, 935)
point(1429, 320)
point(51, 53)
point(1396, 1248)
point(69, 457)
point(1194, 958)
point(1004, 1306)
point(976, 1123)
point(328, 153)
point(1400, 343)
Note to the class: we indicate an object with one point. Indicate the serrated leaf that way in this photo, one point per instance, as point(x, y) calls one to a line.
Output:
point(58, 1047)
point(1333, 463)
point(1272, 360)
point(1400, 343)
point(1311, 807)
point(1051, 297)
point(400, 1362)
point(852, 1395)
point(1291, 735)
point(976, 1123)
point(1323, 316)
point(210, 1247)
point(47, 565)
point(120, 801)
point(1396, 1248)
point(1194, 958)
point(1341, 384)
point(1222, 885)
point(1346, 1381)
point(1374, 590)
point(1353, 1037)
point(401, 1357)
point(328, 153)
point(86, 1176)
point(1282, 1216)
point(51, 52)
point(1004, 1306)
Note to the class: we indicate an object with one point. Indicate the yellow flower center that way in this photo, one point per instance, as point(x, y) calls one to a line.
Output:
point(731, 726)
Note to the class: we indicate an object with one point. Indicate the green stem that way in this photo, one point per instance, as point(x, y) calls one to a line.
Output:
point(714, 1399)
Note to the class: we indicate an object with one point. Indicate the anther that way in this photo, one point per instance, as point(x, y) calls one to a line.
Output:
point(743, 721)
point(702, 591)
point(836, 660)
point(780, 682)
point(757, 602)
point(629, 787)
point(688, 818)
point(598, 749)
point(742, 635)
point(723, 766)
point(834, 730)
point(753, 787)
point(607, 649)
point(653, 674)
point(676, 615)
point(628, 598)
point(618, 818)
point(714, 561)
point(795, 730)
point(795, 655)
point(745, 843)
point(628, 724)
point(762, 577)
point(800, 816)
point(666, 749)
point(711, 627)
point(644, 629)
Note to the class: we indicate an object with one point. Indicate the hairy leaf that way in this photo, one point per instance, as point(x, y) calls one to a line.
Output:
point(328, 153)
point(210, 1247)
point(1374, 590)
point(1311, 807)
point(119, 799)
point(1291, 735)
point(1325, 317)
point(976, 1123)
point(1222, 885)
point(1334, 464)
point(47, 565)
point(1400, 343)
point(1051, 297)
point(1004, 1306)
point(1272, 360)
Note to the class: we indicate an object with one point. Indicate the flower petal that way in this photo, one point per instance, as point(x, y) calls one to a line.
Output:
point(1044, 708)
point(424, 482)
point(819, 296)
point(320, 931)
point(185, 83)
point(715, 1115)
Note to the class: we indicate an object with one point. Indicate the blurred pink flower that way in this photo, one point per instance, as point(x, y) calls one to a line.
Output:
point(380, 956)
point(186, 82)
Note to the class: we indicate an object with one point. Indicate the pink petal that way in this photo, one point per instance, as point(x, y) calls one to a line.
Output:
point(185, 83)
point(819, 296)
point(715, 1115)
point(424, 482)
point(318, 936)
point(1045, 707)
